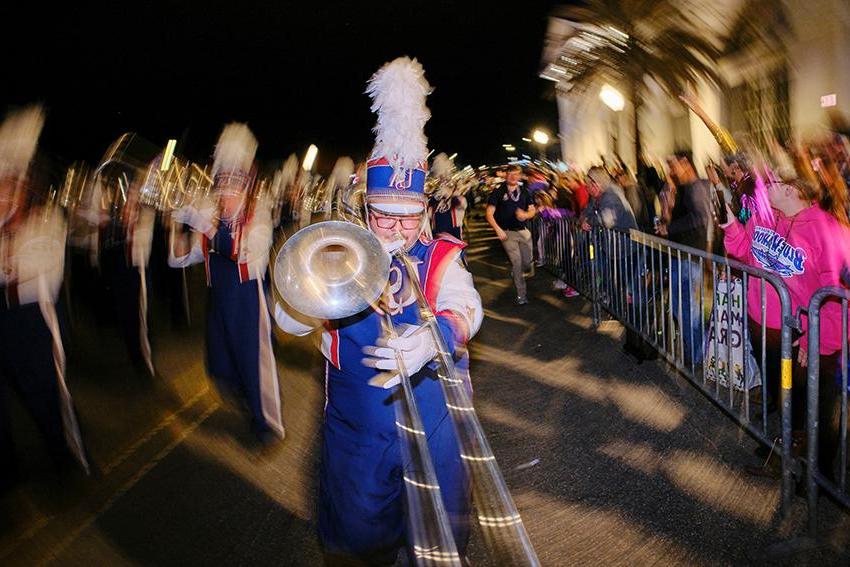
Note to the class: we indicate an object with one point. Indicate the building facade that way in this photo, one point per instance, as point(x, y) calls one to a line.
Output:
point(768, 93)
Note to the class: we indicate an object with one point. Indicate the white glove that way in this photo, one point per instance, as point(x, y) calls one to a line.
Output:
point(199, 219)
point(416, 347)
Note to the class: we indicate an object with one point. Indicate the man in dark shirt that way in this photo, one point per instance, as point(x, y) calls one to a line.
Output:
point(689, 225)
point(508, 209)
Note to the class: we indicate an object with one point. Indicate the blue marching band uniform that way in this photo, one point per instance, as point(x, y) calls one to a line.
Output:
point(362, 494)
point(235, 256)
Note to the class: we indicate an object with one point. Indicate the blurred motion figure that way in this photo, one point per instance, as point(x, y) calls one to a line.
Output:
point(231, 234)
point(32, 254)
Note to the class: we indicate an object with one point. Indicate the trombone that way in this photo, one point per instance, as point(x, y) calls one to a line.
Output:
point(336, 269)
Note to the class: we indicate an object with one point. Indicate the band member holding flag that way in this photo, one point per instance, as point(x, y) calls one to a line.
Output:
point(231, 234)
point(362, 485)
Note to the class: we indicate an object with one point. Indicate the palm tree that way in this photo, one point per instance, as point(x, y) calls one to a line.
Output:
point(629, 41)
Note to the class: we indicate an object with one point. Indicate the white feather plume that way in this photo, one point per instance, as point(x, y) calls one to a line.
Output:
point(235, 149)
point(19, 139)
point(442, 166)
point(342, 171)
point(398, 91)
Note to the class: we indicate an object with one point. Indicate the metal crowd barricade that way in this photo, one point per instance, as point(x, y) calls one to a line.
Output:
point(834, 484)
point(569, 253)
point(652, 286)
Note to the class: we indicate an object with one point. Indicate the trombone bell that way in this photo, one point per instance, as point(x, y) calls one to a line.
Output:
point(331, 270)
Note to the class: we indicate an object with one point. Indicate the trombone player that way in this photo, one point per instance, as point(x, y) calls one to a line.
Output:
point(231, 234)
point(362, 493)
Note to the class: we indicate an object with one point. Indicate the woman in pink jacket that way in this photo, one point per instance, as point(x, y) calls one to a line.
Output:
point(807, 247)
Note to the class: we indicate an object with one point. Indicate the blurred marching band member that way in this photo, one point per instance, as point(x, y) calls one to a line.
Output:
point(361, 500)
point(232, 237)
point(32, 254)
point(447, 205)
point(123, 251)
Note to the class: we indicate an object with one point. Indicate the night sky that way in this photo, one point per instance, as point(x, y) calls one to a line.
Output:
point(296, 72)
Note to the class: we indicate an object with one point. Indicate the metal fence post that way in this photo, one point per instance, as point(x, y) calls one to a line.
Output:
point(786, 383)
point(594, 285)
point(812, 412)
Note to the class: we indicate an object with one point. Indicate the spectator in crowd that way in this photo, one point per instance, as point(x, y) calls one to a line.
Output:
point(580, 197)
point(807, 247)
point(742, 186)
point(607, 206)
point(689, 212)
point(641, 199)
point(508, 209)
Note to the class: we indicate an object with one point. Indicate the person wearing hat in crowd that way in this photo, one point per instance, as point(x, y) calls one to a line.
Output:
point(231, 235)
point(362, 488)
point(32, 254)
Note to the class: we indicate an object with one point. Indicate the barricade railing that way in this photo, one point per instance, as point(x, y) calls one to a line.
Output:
point(826, 426)
point(691, 306)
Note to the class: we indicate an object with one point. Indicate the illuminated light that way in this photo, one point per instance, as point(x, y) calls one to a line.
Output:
point(458, 408)
point(540, 137)
point(409, 429)
point(482, 167)
point(526, 139)
point(507, 145)
point(612, 98)
point(828, 100)
point(421, 484)
point(453, 156)
point(477, 459)
point(499, 521)
point(310, 157)
point(168, 155)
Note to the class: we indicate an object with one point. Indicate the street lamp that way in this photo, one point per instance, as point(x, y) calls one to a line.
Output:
point(541, 138)
point(612, 98)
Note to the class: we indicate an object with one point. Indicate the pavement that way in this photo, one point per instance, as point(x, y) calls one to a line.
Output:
point(609, 462)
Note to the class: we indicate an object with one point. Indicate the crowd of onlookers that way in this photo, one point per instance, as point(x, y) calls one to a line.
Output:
point(783, 210)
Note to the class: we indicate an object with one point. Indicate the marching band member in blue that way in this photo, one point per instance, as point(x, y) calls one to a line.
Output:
point(231, 234)
point(362, 494)
point(32, 254)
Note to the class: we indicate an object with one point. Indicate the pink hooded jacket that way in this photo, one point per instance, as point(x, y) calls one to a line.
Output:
point(808, 250)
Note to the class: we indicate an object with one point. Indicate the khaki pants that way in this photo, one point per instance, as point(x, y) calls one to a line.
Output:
point(518, 247)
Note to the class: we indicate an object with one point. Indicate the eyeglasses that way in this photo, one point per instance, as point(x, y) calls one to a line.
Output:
point(407, 223)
